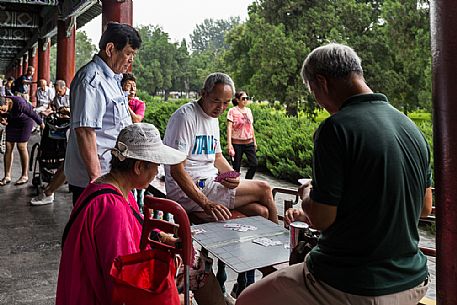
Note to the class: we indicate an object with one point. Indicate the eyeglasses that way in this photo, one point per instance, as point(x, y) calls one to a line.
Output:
point(245, 98)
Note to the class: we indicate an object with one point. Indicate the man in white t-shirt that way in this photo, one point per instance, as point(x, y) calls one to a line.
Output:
point(194, 129)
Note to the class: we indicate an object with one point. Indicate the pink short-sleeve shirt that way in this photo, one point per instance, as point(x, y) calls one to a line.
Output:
point(242, 123)
point(137, 106)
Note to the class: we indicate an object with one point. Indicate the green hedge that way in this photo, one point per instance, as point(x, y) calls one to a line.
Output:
point(284, 143)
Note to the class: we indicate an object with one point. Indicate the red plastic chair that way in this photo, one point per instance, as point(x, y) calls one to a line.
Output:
point(149, 275)
point(181, 227)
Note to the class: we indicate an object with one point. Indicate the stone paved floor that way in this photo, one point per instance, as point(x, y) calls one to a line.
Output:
point(29, 241)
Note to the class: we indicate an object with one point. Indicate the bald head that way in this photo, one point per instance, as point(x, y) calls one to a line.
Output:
point(60, 87)
point(42, 83)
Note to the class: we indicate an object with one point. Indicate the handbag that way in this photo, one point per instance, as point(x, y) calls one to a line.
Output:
point(307, 242)
point(146, 277)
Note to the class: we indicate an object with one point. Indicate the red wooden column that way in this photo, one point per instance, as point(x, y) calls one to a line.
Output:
point(33, 61)
point(444, 91)
point(117, 10)
point(19, 68)
point(65, 66)
point(25, 63)
point(44, 62)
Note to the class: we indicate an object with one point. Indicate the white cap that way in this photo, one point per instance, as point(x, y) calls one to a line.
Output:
point(141, 141)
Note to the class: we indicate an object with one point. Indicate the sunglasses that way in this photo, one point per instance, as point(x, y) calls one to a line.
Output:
point(245, 98)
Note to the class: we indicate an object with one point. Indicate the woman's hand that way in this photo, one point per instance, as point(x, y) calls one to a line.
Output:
point(167, 239)
point(42, 126)
point(231, 150)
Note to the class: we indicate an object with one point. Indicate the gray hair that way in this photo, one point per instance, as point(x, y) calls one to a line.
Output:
point(217, 78)
point(333, 60)
point(60, 83)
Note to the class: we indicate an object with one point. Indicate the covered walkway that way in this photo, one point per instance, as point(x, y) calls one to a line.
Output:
point(30, 241)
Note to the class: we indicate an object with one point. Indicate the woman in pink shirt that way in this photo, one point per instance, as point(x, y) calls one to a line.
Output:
point(107, 225)
point(136, 107)
point(240, 134)
point(136, 110)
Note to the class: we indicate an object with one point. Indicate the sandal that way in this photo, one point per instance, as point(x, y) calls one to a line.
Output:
point(5, 181)
point(22, 180)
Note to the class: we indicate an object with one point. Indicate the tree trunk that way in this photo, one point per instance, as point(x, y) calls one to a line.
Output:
point(292, 109)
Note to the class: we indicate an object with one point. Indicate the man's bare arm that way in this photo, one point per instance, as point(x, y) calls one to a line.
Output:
point(428, 201)
point(88, 149)
point(321, 215)
point(187, 185)
point(222, 164)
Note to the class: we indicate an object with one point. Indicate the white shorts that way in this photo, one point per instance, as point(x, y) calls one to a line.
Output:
point(215, 191)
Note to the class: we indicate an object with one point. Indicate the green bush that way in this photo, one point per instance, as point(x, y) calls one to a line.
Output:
point(285, 144)
point(158, 112)
point(426, 127)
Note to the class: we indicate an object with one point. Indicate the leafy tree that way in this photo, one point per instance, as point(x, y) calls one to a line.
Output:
point(53, 61)
point(391, 36)
point(155, 64)
point(208, 46)
point(407, 32)
point(209, 35)
point(85, 49)
point(265, 61)
point(182, 74)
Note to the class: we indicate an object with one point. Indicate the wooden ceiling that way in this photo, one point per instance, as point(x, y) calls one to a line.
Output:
point(23, 22)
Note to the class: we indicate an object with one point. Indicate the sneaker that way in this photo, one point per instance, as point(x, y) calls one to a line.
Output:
point(229, 300)
point(234, 293)
point(42, 199)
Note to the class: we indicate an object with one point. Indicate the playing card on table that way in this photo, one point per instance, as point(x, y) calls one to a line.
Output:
point(197, 231)
point(240, 228)
point(266, 242)
point(232, 225)
point(249, 227)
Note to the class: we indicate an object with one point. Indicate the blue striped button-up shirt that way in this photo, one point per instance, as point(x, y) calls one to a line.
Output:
point(96, 101)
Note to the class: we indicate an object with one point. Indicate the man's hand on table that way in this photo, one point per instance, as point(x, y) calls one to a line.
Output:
point(295, 215)
point(217, 211)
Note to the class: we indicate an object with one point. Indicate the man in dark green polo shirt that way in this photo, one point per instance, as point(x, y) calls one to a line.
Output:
point(371, 184)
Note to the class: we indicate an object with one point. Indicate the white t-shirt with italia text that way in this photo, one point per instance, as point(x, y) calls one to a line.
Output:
point(195, 133)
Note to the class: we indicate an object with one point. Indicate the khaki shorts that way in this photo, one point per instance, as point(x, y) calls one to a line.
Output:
point(295, 285)
point(214, 191)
